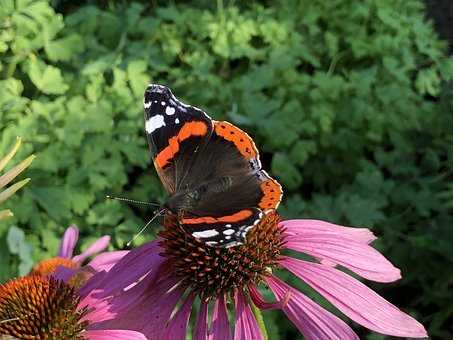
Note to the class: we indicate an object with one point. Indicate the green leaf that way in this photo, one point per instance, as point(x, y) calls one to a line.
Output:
point(47, 78)
point(287, 172)
point(259, 318)
point(136, 73)
point(65, 48)
point(54, 200)
point(17, 245)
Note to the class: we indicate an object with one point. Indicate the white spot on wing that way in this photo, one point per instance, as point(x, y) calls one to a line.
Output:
point(154, 123)
point(147, 105)
point(228, 231)
point(163, 103)
point(211, 243)
point(247, 229)
point(177, 121)
point(205, 233)
point(227, 237)
point(170, 111)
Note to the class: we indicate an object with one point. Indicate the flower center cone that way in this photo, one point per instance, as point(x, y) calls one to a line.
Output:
point(210, 271)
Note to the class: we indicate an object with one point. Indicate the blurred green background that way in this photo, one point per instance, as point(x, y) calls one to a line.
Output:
point(350, 103)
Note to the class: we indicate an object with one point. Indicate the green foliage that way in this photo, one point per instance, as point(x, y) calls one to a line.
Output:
point(350, 103)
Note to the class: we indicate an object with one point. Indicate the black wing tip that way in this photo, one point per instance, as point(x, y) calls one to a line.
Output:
point(154, 91)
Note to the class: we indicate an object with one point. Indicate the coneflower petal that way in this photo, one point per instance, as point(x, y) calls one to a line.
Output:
point(259, 301)
point(358, 257)
point(105, 261)
point(308, 227)
point(141, 261)
point(164, 302)
point(355, 300)
point(246, 327)
point(99, 245)
point(177, 327)
point(68, 242)
point(313, 321)
point(220, 327)
point(200, 331)
point(113, 334)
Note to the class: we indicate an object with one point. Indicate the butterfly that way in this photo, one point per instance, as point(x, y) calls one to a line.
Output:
point(210, 169)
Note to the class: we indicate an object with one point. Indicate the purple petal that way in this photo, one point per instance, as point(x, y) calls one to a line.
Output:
point(146, 307)
point(358, 257)
point(93, 285)
point(177, 327)
point(220, 327)
point(63, 273)
point(113, 334)
point(68, 242)
point(99, 310)
point(246, 327)
point(105, 261)
point(259, 301)
point(305, 227)
point(141, 261)
point(99, 245)
point(201, 327)
point(313, 321)
point(355, 300)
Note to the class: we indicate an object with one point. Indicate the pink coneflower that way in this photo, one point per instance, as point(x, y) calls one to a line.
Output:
point(41, 307)
point(172, 274)
point(65, 258)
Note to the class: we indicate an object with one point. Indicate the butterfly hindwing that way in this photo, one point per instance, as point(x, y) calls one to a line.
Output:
point(223, 231)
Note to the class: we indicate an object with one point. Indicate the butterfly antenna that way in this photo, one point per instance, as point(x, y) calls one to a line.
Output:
point(157, 213)
point(131, 201)
point(9, 320)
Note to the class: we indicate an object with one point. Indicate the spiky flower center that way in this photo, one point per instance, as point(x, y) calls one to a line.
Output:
point(210, 271)
point(48, 266)
point(36, 307)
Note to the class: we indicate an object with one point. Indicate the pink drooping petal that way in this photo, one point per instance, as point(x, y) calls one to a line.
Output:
point(161, 312)
point(259, 301)
point(99, 310)
point(177, 327)
point(99, 245)
point(355, 300)
point(146, 307)
point(144, 260)
point(358, 257)
point(113, 334)
point(93, 285)
point(306, 227)
point(68, 242)
point(200, 331)
point(313, 321)
point(105, 261)
point(63, 273)
point(246, 327)
point(220, 326)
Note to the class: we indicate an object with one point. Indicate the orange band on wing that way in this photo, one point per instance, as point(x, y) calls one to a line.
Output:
point(187, 130)
point(272, 192)
point(241, 140)
point(239, 216)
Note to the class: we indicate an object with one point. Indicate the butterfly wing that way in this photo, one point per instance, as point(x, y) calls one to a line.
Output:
point(175, 132)
point(190, 150)
point(223, 217)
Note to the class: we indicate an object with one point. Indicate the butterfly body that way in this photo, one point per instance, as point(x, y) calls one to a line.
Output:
point(210, 169)
point(188, 200)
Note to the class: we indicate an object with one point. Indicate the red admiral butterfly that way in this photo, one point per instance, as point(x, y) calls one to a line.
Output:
point(210, 169)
